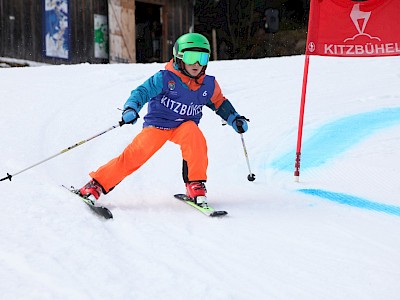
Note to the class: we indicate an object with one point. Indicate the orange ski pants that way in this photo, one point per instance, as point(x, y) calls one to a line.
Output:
point(149, 141)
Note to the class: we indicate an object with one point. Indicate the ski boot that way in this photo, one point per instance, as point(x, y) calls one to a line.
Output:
point(92, 188)
point(196, 191)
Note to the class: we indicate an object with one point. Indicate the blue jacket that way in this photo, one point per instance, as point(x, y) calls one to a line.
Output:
point(174, 98)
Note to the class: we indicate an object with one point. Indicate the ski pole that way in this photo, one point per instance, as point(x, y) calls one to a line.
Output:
point(9, 176)
point(251, 176)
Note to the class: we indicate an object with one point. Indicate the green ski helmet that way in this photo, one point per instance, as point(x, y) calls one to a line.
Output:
point(193, 42)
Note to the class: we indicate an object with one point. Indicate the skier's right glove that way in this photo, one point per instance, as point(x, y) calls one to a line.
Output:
point(129, 116)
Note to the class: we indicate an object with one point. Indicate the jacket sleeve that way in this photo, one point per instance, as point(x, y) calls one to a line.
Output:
point(222, 106)
point(144, 92)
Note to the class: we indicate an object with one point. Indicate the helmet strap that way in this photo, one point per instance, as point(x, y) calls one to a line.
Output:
point(182, 69)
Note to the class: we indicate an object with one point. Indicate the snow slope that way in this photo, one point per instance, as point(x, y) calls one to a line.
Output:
point(333, 235)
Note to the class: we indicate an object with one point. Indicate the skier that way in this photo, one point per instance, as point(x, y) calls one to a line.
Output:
point(175, 98)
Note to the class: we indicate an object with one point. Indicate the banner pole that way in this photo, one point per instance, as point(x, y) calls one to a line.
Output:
point(301, 119)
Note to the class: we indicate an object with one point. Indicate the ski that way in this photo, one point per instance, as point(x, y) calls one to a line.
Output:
point(205, 209)
point(99, 210)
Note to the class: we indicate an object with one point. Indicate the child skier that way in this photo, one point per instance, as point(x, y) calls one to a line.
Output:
point(175, 98)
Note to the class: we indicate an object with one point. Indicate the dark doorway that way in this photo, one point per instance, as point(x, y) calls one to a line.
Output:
point(148, 32)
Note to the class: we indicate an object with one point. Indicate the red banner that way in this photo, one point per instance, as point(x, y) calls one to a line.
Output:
point(354, 28)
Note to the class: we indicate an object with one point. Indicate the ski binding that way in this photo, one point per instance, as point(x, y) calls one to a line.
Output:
point(100, 210)
point(204, 208)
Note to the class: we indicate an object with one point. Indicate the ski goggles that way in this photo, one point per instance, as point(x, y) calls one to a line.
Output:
point(191, 57)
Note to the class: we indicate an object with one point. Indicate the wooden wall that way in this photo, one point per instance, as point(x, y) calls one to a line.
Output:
point(179, 20)
point(121, 20)
point(19, 30)
point(21, 27)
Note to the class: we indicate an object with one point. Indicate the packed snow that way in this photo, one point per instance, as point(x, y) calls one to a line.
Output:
point(333, 235)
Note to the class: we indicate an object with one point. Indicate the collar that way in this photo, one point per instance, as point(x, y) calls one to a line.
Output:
point(190, 82)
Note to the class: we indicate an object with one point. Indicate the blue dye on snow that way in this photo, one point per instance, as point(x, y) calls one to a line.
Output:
point(353, 201)
point(334, 138)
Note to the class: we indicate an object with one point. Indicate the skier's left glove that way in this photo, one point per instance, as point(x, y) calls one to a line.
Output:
point(239, 123)
point(129, 116)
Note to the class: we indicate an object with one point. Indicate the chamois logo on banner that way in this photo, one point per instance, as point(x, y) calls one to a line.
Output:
point(360, 18)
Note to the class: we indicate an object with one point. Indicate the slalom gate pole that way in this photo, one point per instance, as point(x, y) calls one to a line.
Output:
point(9, 176)
point(301, 119)
point(251, 176)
